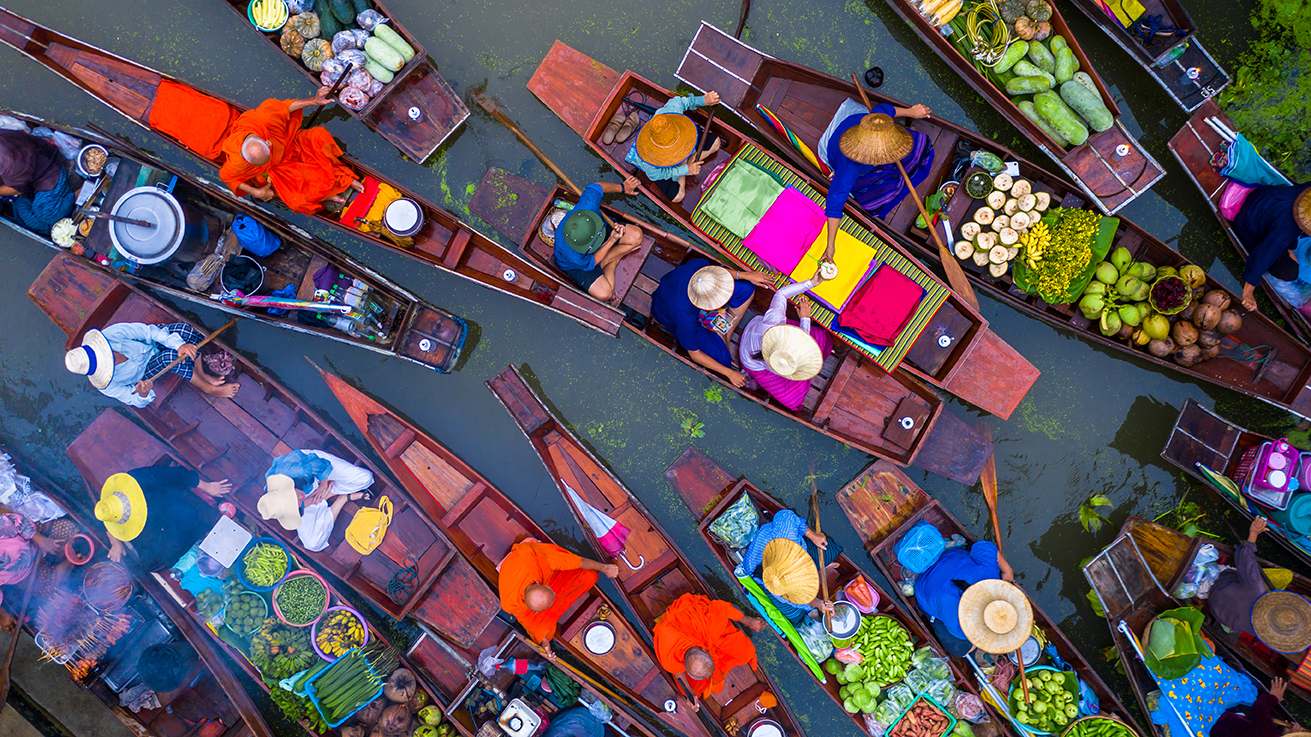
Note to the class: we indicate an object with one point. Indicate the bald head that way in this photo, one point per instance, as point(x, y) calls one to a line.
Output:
point(538, 597)
point(698, 663)
point(255, 151)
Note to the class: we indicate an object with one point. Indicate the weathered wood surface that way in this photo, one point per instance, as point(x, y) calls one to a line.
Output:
point(573, 85)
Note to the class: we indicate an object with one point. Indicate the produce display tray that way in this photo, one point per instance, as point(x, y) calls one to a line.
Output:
point(951, 720)
point(314, 696)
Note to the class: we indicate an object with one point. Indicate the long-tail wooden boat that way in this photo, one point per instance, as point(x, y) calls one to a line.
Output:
point(708, 489)
point(443, 242)
point(1109, 179)
point(413, 329)
point(1200, 438)
point(484, 524)
point(1208, 132)
point(653, 572)
point(1132, 596)
point(212, 693)
point(883, 504)
point(1179, 62)
point(416, 571)
point(806, 100)
point(946, 342)
point(416, 86)
point(851, 400)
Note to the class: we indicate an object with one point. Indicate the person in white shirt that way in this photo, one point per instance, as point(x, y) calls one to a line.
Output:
point(308, 478)
point(121, 359)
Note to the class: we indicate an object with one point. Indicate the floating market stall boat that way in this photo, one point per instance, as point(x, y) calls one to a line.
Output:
point(406, 101)
point(803, 101)
point(883, 504)
point(1206, 134)
point(441, 241)
point(710, 491)
point(384, 317)
point(852, 400)
point(416, 571)
point(484, 524)
point(943, 340)
point(653, 572)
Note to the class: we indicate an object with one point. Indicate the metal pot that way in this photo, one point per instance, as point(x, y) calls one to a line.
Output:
point(403, 217)
point(765, 728)
point(180, 231)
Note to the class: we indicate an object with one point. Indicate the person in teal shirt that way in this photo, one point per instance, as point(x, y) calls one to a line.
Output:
point(664, 146)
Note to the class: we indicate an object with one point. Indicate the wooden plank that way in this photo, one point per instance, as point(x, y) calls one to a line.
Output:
point(879, 501)
point(444, 482)
point(995, 374)
point(573, 85)
point(508, 203)
point(953, 449)
point(699, 480)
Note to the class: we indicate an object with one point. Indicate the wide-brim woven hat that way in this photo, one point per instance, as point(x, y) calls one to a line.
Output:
point(995, 616)
point(1302, 210)
point(788, 572)
point(791, 352)
point(711, 287)
point(279, 501)
point(1282, 620)
point(93, 359)
point(666, 139)
point(876, 140)
point(122, 507)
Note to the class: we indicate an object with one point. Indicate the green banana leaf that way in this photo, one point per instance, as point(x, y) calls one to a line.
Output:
point(1100, 246)
point(760, 600)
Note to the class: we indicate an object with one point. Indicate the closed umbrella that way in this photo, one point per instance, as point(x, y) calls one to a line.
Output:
point(609, 533)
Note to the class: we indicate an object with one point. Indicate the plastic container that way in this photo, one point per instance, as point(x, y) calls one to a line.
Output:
point(951, 720)
point(1273, 475)
point(314, 630)
point(258, 621)
point(327, 597)
point(286, 15)
point(1304, 471)
point(873, 592)
point(314, 696)
point(241, 568)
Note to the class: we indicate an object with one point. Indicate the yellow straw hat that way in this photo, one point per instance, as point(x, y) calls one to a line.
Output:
point(1282, 620)
point(279, 501)
point(711, 287)
point(791, 352)
point(1302, 210)
point(789, 572)
point(122, 507)
point(666, 139)
point(876, 140)
point(995, 616)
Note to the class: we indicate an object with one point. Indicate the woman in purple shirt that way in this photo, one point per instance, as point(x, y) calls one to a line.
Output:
point(34, 179)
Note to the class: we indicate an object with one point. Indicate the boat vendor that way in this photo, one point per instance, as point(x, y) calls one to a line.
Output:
point(120, 360)
point(267, 154)
point(702, 304)
point(696, 641)
point(862, 148)
point(783, 355)
point(1270, 224)
point(664, 146)
point(307, 479)
point(1255, 720)
point(21, 545)
point(540, 581)
point(781, 557)
point(35, 180)
point(939, 588)
point(153, 512)
point(591, 250)
point(1236, 589)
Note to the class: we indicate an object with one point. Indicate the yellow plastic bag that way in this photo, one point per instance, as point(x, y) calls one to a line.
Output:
point(366, 531)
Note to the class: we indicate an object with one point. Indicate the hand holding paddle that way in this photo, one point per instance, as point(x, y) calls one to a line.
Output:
point(195, 354)
point(332, 93)
point(819, 550)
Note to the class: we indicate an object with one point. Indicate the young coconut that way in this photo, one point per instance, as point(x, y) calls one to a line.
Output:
point(1021, 188)
point(1011, 207)
point(997, 254)
point(1020, 221)
point(1188, 311)
point(1188, 356)
point(1012, 252)
point(400, 686)
point(1194, 275)
point(980, 258)
point(1209, 353)
point(1042, 201)
point(395, 721)
point(1230, 323)
point(1003, 181)
point(964, 249)
point(1184, 333)
point(997, 270)
point(1217, 297)
point(1140, 337)
point(1207, 316)
point(1027, 202)
point(1001, 221)
point(996, 200)
point(970, 231)
point(354, 730)
point(984, 215)
point(1008, 236)
point(1161, 347)
point(368, 716)
point(1208, 338)
point(418, 700)
point(377, 732)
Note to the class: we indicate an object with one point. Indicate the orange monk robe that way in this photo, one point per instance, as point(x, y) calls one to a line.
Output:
point(699, 621)
point(303, 167)
point(531, 562)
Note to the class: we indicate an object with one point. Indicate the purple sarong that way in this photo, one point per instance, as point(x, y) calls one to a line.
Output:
point(788, 392)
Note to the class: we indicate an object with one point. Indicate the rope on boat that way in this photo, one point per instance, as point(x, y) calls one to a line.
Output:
point(404, 581)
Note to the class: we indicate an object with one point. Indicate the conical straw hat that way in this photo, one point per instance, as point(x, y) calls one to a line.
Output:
point(711, 287)
point(876, 140)
point(791, 352)
point(1282, 620)
point(995, 616)
point(666, 139)
point(1302, 210)
point(788, 572)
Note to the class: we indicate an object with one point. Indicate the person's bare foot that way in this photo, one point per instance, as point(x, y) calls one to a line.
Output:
point(357, 186)
point(682, 190)
point(227, 391)
point(714, 149)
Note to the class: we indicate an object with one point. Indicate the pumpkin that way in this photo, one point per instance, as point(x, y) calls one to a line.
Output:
point(1025, 28)
point(292, 42)
point(317, 51)
point(1038, 10)
point(1042, 31)
point(306, 24)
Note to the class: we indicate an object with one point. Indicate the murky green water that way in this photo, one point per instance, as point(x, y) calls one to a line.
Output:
point(1094, 423)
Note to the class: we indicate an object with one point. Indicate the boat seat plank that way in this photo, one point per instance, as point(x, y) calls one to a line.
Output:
point(953, 449)
point(242, 420)
point(493, 527)
point(699, 480)
point(994, 371)
point(133, 447)
point(592, 484)
point(660, 578)
point(1201, 437)
point(673, 584)
point(520, 401)
point(639, 301)
point(15, 30)
point(458, 582)
point(442, 480)
point(588, 310)
point(927, 353)
point(443, 112)
point(456, 513)
point(836, 388)
point(570, 81)
point(484, 262)
point(455, 251)
point(715, 61)
point(132, 102)
point(62, 280)
point(879, 501)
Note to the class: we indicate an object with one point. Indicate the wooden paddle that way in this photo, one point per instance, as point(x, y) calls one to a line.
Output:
point(960, 284)
point(742, 19)
point(336, 87)
point(18, 633)
point(199, 345)
point(988, 479)
point(819, 552)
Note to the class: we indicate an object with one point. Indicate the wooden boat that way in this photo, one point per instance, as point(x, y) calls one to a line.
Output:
point(661, 573)
point(443, 242)
point(883, 504)
point(416, 85)
point(1132, 596)
point(1201, 437)
point(1110, 180)
point(852, 400)
point(1193, 146)
point(953, 348)
point(237, 439)
point(406, 320)
point(1171, 62)
point(212, 692)
point(806, 100)
point(484, 524)
point(708, 489)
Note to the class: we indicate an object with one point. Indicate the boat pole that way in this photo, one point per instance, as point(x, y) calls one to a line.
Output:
point(199, 345)
point(988, 479)
point(336, 87)
point(819, 552)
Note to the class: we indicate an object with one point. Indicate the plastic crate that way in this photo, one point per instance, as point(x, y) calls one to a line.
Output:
point(314, 696)
point(951, 720)
point(1246, 464)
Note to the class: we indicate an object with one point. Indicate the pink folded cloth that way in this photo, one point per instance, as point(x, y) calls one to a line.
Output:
point(786, 231)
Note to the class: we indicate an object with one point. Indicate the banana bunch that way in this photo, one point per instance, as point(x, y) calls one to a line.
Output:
point(269, 14)
point(939, 12)
point(339, 632)
point(987, 31)
point(1035, 243)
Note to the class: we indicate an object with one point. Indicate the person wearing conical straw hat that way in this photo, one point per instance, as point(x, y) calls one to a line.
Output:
point(1236, 589)
point(862, 148)
point(702, 304)
point(783, 355)
point(120, 360)
point(938, 590)
point(1274, 223)
point(995, 616)
point(781, 558)
point(587, 249)
point(306, 480)
point(663, 147)
point(1281, 620)
point(154, 513)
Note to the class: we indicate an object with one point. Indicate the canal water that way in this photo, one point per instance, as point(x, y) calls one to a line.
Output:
point(1094, 423)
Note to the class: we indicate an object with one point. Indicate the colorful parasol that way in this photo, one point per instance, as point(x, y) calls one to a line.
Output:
point(608, 531)
point(1224, 484)
point(278, 303)
point(796, 142)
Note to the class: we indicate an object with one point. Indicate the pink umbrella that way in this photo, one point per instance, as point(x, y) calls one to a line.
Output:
point(608, 531)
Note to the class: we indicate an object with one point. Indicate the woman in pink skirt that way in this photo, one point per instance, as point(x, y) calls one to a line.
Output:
point(783, 355)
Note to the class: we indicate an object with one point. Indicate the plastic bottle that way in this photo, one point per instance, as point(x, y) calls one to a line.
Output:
point(520, 666)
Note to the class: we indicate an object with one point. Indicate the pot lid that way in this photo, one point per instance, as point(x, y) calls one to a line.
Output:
point(765, 728)
point(402, 215)
point(147, 245)
point(599, 638)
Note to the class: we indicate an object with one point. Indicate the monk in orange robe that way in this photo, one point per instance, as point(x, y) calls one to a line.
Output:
point(265, 153)
point(540, 581)
point(695, 639)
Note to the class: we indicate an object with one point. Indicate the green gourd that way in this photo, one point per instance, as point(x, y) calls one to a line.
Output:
point(1057, 43)
point(1086, 80)
point(377, 71)
point(1088, 105)
point(361, 6)
point(382, 53)
point(393, 39)
point(1027, 85)
point(1061, 117)
point(1028, 69)
point(1014, 53)
point(1066, 65)
point(1040, 56)
point(1031, 113)
point(329, 26)
point(342, 9)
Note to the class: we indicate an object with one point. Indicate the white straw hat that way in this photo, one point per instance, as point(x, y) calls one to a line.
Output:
point(711, 287)
point(280, 502)
point(995, 616)
point(93, 359)
point(791, 352)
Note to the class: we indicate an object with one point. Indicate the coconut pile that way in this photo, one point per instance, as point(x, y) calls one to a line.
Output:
point(993, 237)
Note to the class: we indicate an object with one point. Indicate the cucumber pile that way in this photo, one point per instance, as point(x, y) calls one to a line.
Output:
point(352, 681)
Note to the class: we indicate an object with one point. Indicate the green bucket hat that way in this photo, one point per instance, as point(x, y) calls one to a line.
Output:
point(1173, 644)
point(582, 231)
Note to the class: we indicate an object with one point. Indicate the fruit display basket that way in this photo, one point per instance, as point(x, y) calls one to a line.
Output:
point(255, 608)
point(312, 588)
point(241, 564)
point(327, 651)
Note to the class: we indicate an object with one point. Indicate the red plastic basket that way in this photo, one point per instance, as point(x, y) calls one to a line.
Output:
point(1243, 470)
point(327, 599)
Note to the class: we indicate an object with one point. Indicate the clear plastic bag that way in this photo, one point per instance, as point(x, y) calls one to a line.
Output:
point(901, 696)
point(300, 6)
point(369, 19)
point(353, 98)
point(874, 727)
point(918, 681)
point(943, 692)
point(888, 712)
point(18, 494)
point(921, 656)
point(738, 524)
point(354, 57)
point(813, 634)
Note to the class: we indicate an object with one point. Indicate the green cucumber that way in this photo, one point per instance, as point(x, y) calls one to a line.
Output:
point(1086, 80)
point(1059, 116)
point(1057, 43)
point(383, 53)
point(361, 6)
point(1028, 69)
point(378, 71)
point(1039, 55)
point(1088, 105)
point(1014, 53)
point(1066, 65)
point(329, 26)
point(389, 36)
point(342, 9)
point(1031, 113)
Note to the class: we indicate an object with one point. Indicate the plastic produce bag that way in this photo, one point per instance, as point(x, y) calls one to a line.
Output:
point(738, 524)
point(918, 681)
point(920, 548)
point(354, 98)
point(943, 692)
point(68, 145)
point(813, 634)
point(369, 19)
point(888, 711)
point(10, 123)
point(354, 57)
point(300, 6)
point(902, 696)
point(349, 39)
point(969, 707)
point(17, 493)
point(874, 726)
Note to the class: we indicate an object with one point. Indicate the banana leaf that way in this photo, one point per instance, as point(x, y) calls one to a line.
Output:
point(1101, 245)
point(760, 600)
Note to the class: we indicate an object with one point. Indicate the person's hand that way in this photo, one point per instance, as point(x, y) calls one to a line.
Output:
point(321, 96)
point(918, 111)
point(615, 234)
point(755, 624)
point(712, 98)
point(694, 167)
point(265, 193)
point(116, 549)
point(819, 277)
point(1249, 303)
point(47, 546)
point(631, 184)
point(1277, 688)
point(736, 378)
point(692, 706)
point(547, 652)
point(144, 387)
point(820, 541)
point(828, 255)
point(610, 570)
point(804, 308)
point(216, 488)
point(759, 278)
point(825, 607)
point(188, 351)
point(321, 493)
point(1257, 527)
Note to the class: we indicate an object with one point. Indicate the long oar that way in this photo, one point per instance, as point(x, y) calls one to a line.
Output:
point(988, 479)
point(18, 633)
point(819, 552)
point(336, 87)
point(960, 284)
point(199, 345)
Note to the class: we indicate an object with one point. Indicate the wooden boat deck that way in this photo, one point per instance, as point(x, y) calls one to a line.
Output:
point(237, 439)
point(955, 351)
point(708, 489)
point(484, 524)
point(444, 242)
point(882, 504)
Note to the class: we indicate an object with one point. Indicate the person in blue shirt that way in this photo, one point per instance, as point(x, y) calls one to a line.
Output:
point(587, 249)
point(938, 589)
point(1271, 222)
point(664, 145)
point(789, 525)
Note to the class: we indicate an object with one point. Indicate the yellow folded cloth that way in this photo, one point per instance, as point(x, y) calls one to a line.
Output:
point(852, 257)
